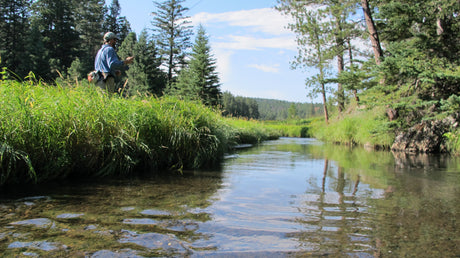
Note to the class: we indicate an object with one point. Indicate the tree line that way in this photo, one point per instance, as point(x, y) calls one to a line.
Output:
point(51, 40)
point(268, 109)
point(411, 58)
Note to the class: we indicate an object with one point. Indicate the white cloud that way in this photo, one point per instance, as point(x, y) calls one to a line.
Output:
point(266, 68)
point(256, 29)
point(255, 43)
point(266, 20)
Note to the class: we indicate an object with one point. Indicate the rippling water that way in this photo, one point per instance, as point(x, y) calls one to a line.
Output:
point(290, 197)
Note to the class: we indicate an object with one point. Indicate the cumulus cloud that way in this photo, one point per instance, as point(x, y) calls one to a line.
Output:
point(266, 20)
point(259, 28)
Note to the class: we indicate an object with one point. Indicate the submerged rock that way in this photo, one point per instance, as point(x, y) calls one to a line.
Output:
point(41, 245)
point(91, 227)
point(155, 241)
point(140, 221)
point(40, 222)
point(109, 254)
point(70, 215)
point(155, 213)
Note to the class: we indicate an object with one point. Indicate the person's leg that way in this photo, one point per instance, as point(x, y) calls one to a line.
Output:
point(107, 85)
point(110, 84)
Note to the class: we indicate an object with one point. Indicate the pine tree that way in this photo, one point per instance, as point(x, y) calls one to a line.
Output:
point(37, 54)
point(373, 33)
point(14, 25)
point(172, 32)
point(116, 23)
point(56, 22)
point(89, 16)
point(200, 79)
point(144, 75)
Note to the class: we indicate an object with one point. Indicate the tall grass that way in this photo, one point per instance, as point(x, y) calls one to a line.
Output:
point(361, 127)
point(291, 128)
point(51, 132)
point(252, 131)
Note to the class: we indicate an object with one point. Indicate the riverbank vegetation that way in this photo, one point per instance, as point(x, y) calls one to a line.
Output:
point(53, 132)
point(388, 71)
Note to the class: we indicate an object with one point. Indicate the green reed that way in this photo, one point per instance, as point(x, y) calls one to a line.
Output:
point(252, 131)
point(52, 132)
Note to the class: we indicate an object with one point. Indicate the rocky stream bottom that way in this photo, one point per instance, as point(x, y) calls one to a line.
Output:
point(141, 233)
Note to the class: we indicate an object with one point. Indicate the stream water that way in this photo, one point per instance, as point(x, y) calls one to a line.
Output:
point(286, 198)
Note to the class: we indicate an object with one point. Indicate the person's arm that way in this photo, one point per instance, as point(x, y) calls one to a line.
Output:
point(113, 61)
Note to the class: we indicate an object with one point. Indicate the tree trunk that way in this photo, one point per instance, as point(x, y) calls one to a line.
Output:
point(439, 27)
point(323, 93)
point(340, 91)
point(340, 64)
point(378, 52)
point(350, 54)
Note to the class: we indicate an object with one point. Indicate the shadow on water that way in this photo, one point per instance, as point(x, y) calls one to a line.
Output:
point(289, 197)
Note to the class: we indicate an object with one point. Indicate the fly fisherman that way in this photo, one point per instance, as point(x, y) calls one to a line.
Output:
point(108, 64)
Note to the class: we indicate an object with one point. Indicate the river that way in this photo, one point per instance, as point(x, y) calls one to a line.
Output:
point(292, 197)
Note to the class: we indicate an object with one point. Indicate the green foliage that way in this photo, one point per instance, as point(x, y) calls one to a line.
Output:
point(89, 17)
point(114, 22)
point(173, 32)
point(453, 142)
point(364, 127)
point(451, 105)
point(291, 128)
point(56, 23)
point(144, 75)
point(239, 106)
point(271, 109)
point(292, 111)
point(252, 131)
point(47, 36)
point(200, 81)
point(417, 78)
point(50, 132)
point(14, 27)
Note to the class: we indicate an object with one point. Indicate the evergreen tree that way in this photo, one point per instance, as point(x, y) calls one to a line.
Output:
point(75, 70)
point(173, 32)
point(253, 108)
point(56, 22)
point(200, 79)
point(373, 33)
point(89, 16)
point(14, 25)
point(292, 111)
point(340, 12)
point(115, 23)
point(144, 75)
point(37, 54)
point(239, 106)
point(422, 40)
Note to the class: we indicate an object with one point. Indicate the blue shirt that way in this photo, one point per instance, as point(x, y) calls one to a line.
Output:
point(107, 60)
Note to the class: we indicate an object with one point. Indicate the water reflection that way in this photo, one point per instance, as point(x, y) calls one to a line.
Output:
point(290, 197)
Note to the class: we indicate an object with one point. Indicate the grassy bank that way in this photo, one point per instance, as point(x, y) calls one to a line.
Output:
point(52, 132)
point(359, 127)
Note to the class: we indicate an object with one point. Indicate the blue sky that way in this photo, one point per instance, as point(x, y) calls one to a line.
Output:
point(248, 39)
